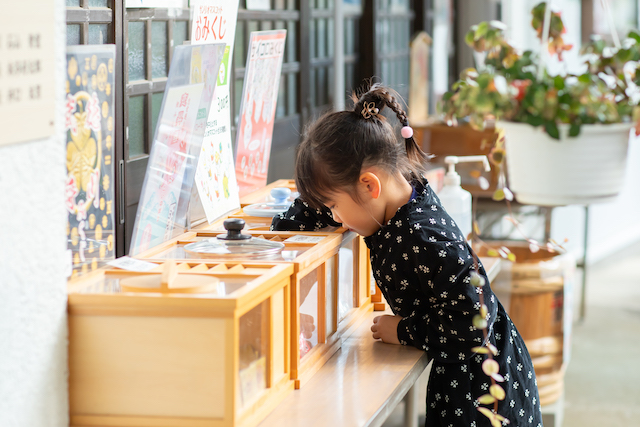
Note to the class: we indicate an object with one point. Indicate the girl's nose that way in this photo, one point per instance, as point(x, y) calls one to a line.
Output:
point(335, 216)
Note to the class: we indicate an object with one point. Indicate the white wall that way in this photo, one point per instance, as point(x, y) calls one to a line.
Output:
point(33, 328)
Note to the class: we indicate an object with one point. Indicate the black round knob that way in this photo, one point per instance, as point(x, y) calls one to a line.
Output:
point(234, 228)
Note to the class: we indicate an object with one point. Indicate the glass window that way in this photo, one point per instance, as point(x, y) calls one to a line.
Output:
point(73, 35)
point(136, 41)
point(180, 34)
point(73, 3)
point(158, 49)
point(136, 126)
point(156, 104)
point(97, 3)
point(98, 33)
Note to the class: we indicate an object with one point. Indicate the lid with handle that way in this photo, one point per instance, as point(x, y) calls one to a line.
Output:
point(234, 243)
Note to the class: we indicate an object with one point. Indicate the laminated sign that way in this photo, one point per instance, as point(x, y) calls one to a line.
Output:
point(89, 189)
point(258, 108)
point(168, 182)
point(215, 20)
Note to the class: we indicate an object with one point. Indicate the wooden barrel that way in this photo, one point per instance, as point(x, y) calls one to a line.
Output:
point(532, 291)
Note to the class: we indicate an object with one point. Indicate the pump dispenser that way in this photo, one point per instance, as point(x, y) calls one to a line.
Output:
point(455, 199)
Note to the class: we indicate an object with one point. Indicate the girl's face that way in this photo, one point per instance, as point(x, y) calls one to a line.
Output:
point(353, 215)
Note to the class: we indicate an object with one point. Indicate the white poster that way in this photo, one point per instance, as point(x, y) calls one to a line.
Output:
point(215, 21)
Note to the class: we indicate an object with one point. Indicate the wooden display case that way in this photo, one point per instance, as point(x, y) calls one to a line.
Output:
point(213, 354)
point(327, 300)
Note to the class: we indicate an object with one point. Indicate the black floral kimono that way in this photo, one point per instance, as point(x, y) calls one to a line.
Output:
point(422, 264)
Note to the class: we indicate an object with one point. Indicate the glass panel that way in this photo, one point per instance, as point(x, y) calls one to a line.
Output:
point(281, 106)
point(254, 348)
point(312, 39)
point(137, 40)
point(98, 3)
point(98, 33)
point(292, 39)
point(73, 35)
point(322, 38)
point(136, 126)
point(238, 46)
point(73, 3)
point(180, 34)
point(329, 286)
point(308, 312)
point(345, 279)
point(292, 103)
point(158, 49)
point(349, 46)
point(156, 104)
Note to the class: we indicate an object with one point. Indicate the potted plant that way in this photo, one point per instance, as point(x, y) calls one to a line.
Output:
point(565, 136)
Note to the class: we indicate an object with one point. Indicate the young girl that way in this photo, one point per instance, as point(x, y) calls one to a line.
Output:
point(351, 163)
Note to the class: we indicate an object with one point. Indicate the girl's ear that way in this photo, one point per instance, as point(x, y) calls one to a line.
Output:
point(370, 184)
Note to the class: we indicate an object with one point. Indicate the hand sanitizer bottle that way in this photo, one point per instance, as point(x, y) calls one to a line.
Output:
point(455, 199)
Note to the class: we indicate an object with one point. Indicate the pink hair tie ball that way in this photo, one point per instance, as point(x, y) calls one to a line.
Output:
point(406, 132)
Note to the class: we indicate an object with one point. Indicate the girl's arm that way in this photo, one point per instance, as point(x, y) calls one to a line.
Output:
point(301, 217)
point(443, 324)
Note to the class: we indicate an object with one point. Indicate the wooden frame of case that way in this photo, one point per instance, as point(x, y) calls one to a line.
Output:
point(320, 261)
point(152, 359)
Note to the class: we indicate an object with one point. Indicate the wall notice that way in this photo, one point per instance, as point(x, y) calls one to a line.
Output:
point(27, 55)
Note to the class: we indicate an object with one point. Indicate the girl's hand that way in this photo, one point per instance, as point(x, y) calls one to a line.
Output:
point(385, 328)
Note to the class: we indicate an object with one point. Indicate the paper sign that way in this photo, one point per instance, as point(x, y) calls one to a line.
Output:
point(132, 264)
point(215, 20)
point(27, 59)
point(90, 153)
point(258, 108)
point(305, 239)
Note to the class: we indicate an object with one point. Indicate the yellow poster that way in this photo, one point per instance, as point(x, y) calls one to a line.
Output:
point(89, 123)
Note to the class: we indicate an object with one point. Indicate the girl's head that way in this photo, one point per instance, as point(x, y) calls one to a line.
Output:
point(340, 145)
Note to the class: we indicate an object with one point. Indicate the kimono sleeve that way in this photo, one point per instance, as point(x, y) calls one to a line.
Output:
point(301, 217)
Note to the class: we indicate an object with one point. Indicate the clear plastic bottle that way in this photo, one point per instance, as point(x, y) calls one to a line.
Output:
point(455, 199)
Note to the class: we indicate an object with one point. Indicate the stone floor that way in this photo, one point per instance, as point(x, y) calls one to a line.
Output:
point(602, 382)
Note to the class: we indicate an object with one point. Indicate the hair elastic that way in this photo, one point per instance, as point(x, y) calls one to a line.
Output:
point(406, 132)
point(369, 109)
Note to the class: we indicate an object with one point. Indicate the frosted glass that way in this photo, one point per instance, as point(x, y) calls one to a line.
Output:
point(98, 33)
point(136, 126)
point(156, 104)
point(137, 41)
point(180, 33)
point(158, 49)
point(73, 35)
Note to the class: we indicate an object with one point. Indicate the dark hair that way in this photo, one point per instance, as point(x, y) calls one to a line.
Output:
point(340, 144)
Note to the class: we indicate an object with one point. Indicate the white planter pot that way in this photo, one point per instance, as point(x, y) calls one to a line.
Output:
point(589, 168)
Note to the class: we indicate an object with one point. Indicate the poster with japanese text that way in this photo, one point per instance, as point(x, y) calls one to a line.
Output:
point(215, 20)
point(166, 191)
point(258, 108)
point(89, 125)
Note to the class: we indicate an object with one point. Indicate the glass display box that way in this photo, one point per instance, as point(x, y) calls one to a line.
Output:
point(188, 344)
